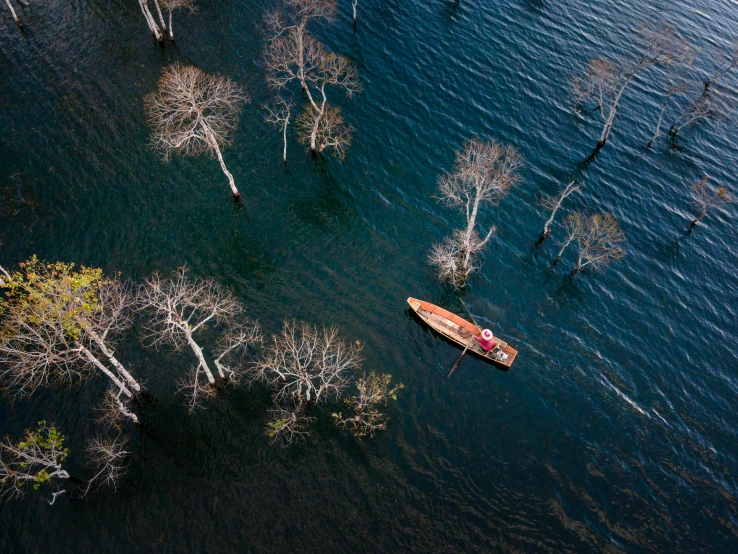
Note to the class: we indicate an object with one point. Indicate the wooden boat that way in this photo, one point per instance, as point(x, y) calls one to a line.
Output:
point(462, 332)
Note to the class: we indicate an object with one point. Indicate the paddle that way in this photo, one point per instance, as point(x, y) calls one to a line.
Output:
point(470, 314)
point(457, 361)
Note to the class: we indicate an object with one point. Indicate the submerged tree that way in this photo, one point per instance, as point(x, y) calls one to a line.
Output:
point(599, 242)
point(150, 22)
point(674, 88)
point(727, 65)
point(710, 106)
point(553, 203)
point(372, 393)
point(279, 115)
point(108, 458)
point(574, 226)
point(484, 174)
point(32, 462)
point(172, 5)
point(58, 324)
point(604, 81)
point(182, 307)
point(15, 15)
point(354, 3)
point(193, 112)
point(706, 198)
point(287, 426)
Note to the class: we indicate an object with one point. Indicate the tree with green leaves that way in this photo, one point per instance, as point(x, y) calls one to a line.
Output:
point(373, 391)
point(58, 325)
point(32, 462)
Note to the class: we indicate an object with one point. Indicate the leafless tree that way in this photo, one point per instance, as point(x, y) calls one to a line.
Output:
point(372, 392)
point(232, 346)
point(710, 105)
point(193, 112)
point(57, 319)
point(604, 81)
point(286, 426)
point(599, 242)
point(112, 411)
point(484, 174)
point(279, 115)
point(33, 461)
point(674, 88)
point(324, 130)
point(725, 66)
point(553, 203)
point(153, 27)
point(181, 307)
point(15, 15)
point(108, 457)
point(574, 226)
point(354, 3)
point(307, 364)
point(172, 5)
point(706, 198)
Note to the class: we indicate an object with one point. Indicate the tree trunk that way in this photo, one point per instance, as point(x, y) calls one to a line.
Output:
point(15, 16)
point(284, 137)
point(109, 355)
point(99, 365)
point(125, 411)
point(353, 5)
point(161, 17)
point(658, 124)
point(567, 243)
point(171, 29)
point(200, 357)
point(150, 20)
point(216, 148)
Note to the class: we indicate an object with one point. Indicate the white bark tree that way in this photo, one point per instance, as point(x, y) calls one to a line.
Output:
point(172, 5)
point(674, 88)
point(599, 242)
point(322, 130)
point(354, 3)
point(553, 203)
point(58, 324)
point(605, 81)
point(727, 65)
point(181, 308)
point(32, 462)
point(193, 112)
point(150, 22)
point(574, 226)
point(109, 458)
point(372, 393)
point(15, 15)
point(279, 115)
point(484, 174)
point(305, 364)
point(705, 198)
point(709, 105)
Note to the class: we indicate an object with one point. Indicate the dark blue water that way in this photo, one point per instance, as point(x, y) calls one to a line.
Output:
point(615, 430)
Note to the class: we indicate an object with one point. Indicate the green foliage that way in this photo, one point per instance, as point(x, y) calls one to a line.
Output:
point(373, 392)
point(54, 293)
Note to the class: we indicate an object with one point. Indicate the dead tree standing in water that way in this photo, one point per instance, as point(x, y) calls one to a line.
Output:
point(181, 308)
point(727, 65)
point(554, 203)
point(674, 88)
point(599, 242)
point(193, 112)
point(172, 5)
point(372, 393)
point(279, 115)
point(484, 174)
point(707, 198)
point(574, 226)
point(153, 27)
point(709, 105)
point(15, 15)
point(604, 81)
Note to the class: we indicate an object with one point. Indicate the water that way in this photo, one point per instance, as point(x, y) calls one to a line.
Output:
point(616, 428)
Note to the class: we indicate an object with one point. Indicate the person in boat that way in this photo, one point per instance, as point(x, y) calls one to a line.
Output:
point(487, 341)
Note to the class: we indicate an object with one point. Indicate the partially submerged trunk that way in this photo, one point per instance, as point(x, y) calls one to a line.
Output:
point(153, 27)
point(99, 365)
point(200, 356)
point(113, 360)
point(161, 17)
point(15, 15)
point(216, 149)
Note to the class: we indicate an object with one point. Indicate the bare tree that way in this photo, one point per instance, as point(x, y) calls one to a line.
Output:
point(674, 88)
point(57, 318)
point(604, 81)
point(181, 308)
point(372, 392)
point(279, 115)
point(33, 461)
point(706, 198)
point(574, 226)
point(112, 411)
point(553, 203)
point(599, 242)
point(108, 457)
point(172, 5)
point(153, 27)
point(15, 15)
point(286, 426)
point(484, 174)
point(307, 365)
point(193, 112)
point(354, 3)
point(725, 66)
point(708, 106)
point(232, 346)
point(324, 130)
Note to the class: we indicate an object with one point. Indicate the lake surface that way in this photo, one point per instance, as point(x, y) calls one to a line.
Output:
point(614, 431)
